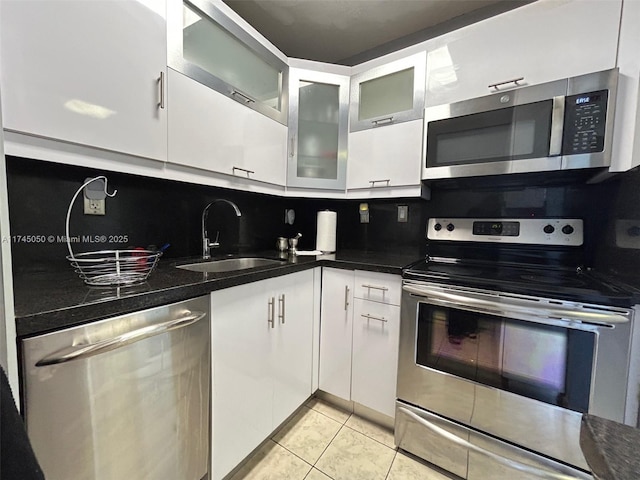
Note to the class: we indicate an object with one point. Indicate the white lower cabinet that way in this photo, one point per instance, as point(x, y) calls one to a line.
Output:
point(336, 332)
point(262, 362)
point(359, 337)
point(374, 357)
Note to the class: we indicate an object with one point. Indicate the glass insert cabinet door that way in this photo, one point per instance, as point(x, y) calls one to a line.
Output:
point(318, 116)
point(207, 47)
point(388, 94)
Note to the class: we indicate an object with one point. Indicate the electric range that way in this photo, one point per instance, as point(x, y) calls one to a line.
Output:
point(506, 339)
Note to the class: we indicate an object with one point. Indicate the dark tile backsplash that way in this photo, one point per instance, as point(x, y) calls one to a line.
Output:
point(154, 212)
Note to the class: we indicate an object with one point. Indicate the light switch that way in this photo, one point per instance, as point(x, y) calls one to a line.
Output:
point(403, 213)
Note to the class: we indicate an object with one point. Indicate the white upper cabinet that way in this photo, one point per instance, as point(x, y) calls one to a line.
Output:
point(539, 42)
point(318, 119)
point(388, 94)
point(211, 132)
point(86, 72)
point(385, 139)
point(626, 129)
point(386, 160)
point(206, 45)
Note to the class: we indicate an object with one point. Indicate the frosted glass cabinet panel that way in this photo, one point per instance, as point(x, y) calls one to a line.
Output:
point(317, 130)
point(388, 94)
point(318, 127)
point(206, 46)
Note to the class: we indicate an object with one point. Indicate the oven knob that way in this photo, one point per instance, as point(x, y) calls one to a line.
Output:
point(549, 229)
point(567, 229)
point(451, 227)
point(437, 227)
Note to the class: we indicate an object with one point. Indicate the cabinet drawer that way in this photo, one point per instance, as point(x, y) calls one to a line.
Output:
point(378, 287)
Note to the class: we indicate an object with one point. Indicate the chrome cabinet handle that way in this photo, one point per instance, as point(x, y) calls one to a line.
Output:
point(371, 317)
point(271, 312)
point(346, 297)
point(373, 182)
point(248, 172)
point(281, 307)
point(292, 149)
point(161, 87)
point(496, 85)
point(78, 352)
point(375, 287)
point(498, 458)
point(246, 98)
point(382, 121)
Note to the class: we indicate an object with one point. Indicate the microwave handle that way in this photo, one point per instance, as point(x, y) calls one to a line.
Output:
point(557, 126)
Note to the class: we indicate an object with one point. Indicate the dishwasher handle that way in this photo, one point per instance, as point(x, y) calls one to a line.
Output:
point(78, 352)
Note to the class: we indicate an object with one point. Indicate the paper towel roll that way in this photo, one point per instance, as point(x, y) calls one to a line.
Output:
point(326, 232)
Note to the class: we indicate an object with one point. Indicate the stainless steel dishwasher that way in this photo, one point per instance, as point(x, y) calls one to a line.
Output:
point(122, 398)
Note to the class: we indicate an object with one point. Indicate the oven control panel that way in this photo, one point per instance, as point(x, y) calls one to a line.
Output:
point(532, 231)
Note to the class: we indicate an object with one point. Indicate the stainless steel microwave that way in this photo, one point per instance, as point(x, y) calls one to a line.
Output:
point(559, 125)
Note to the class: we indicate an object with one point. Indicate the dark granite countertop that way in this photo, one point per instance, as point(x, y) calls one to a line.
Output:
point(49, 300)
point(610, 448)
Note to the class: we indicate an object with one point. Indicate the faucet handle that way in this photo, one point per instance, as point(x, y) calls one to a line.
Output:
point(216, 242)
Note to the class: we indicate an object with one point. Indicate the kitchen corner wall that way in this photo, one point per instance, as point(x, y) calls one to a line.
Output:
point(151, 211)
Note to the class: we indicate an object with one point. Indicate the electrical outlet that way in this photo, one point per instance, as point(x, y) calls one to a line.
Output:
point(94, 207)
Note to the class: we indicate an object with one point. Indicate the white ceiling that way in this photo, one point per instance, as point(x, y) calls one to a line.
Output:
point(352, 31)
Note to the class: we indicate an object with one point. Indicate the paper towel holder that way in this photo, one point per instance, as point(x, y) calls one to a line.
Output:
point(326, 231)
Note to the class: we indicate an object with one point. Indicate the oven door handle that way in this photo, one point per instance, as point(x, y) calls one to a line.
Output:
point(507, 305)
point(498, 458)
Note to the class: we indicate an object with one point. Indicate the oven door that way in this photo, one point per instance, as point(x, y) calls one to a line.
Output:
point(519, 368)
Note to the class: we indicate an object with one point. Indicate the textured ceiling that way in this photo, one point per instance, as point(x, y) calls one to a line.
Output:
point(349, 31)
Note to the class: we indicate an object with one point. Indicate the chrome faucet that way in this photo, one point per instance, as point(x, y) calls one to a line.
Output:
point(206, 245)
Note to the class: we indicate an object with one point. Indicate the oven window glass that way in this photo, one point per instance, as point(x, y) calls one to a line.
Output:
point(512, 133)
point(547, 363)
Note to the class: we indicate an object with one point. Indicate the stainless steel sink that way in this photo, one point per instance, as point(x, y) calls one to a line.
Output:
point(230, 264)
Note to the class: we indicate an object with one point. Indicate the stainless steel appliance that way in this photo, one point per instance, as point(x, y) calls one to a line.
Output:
point(565, 124)
point(122, 398)
point(503, 349)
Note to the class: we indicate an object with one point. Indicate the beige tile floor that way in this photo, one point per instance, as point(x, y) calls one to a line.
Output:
point(322, 442)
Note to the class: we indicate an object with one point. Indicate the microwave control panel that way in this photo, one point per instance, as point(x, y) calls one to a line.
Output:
point(533, 231)
point(585, 118)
